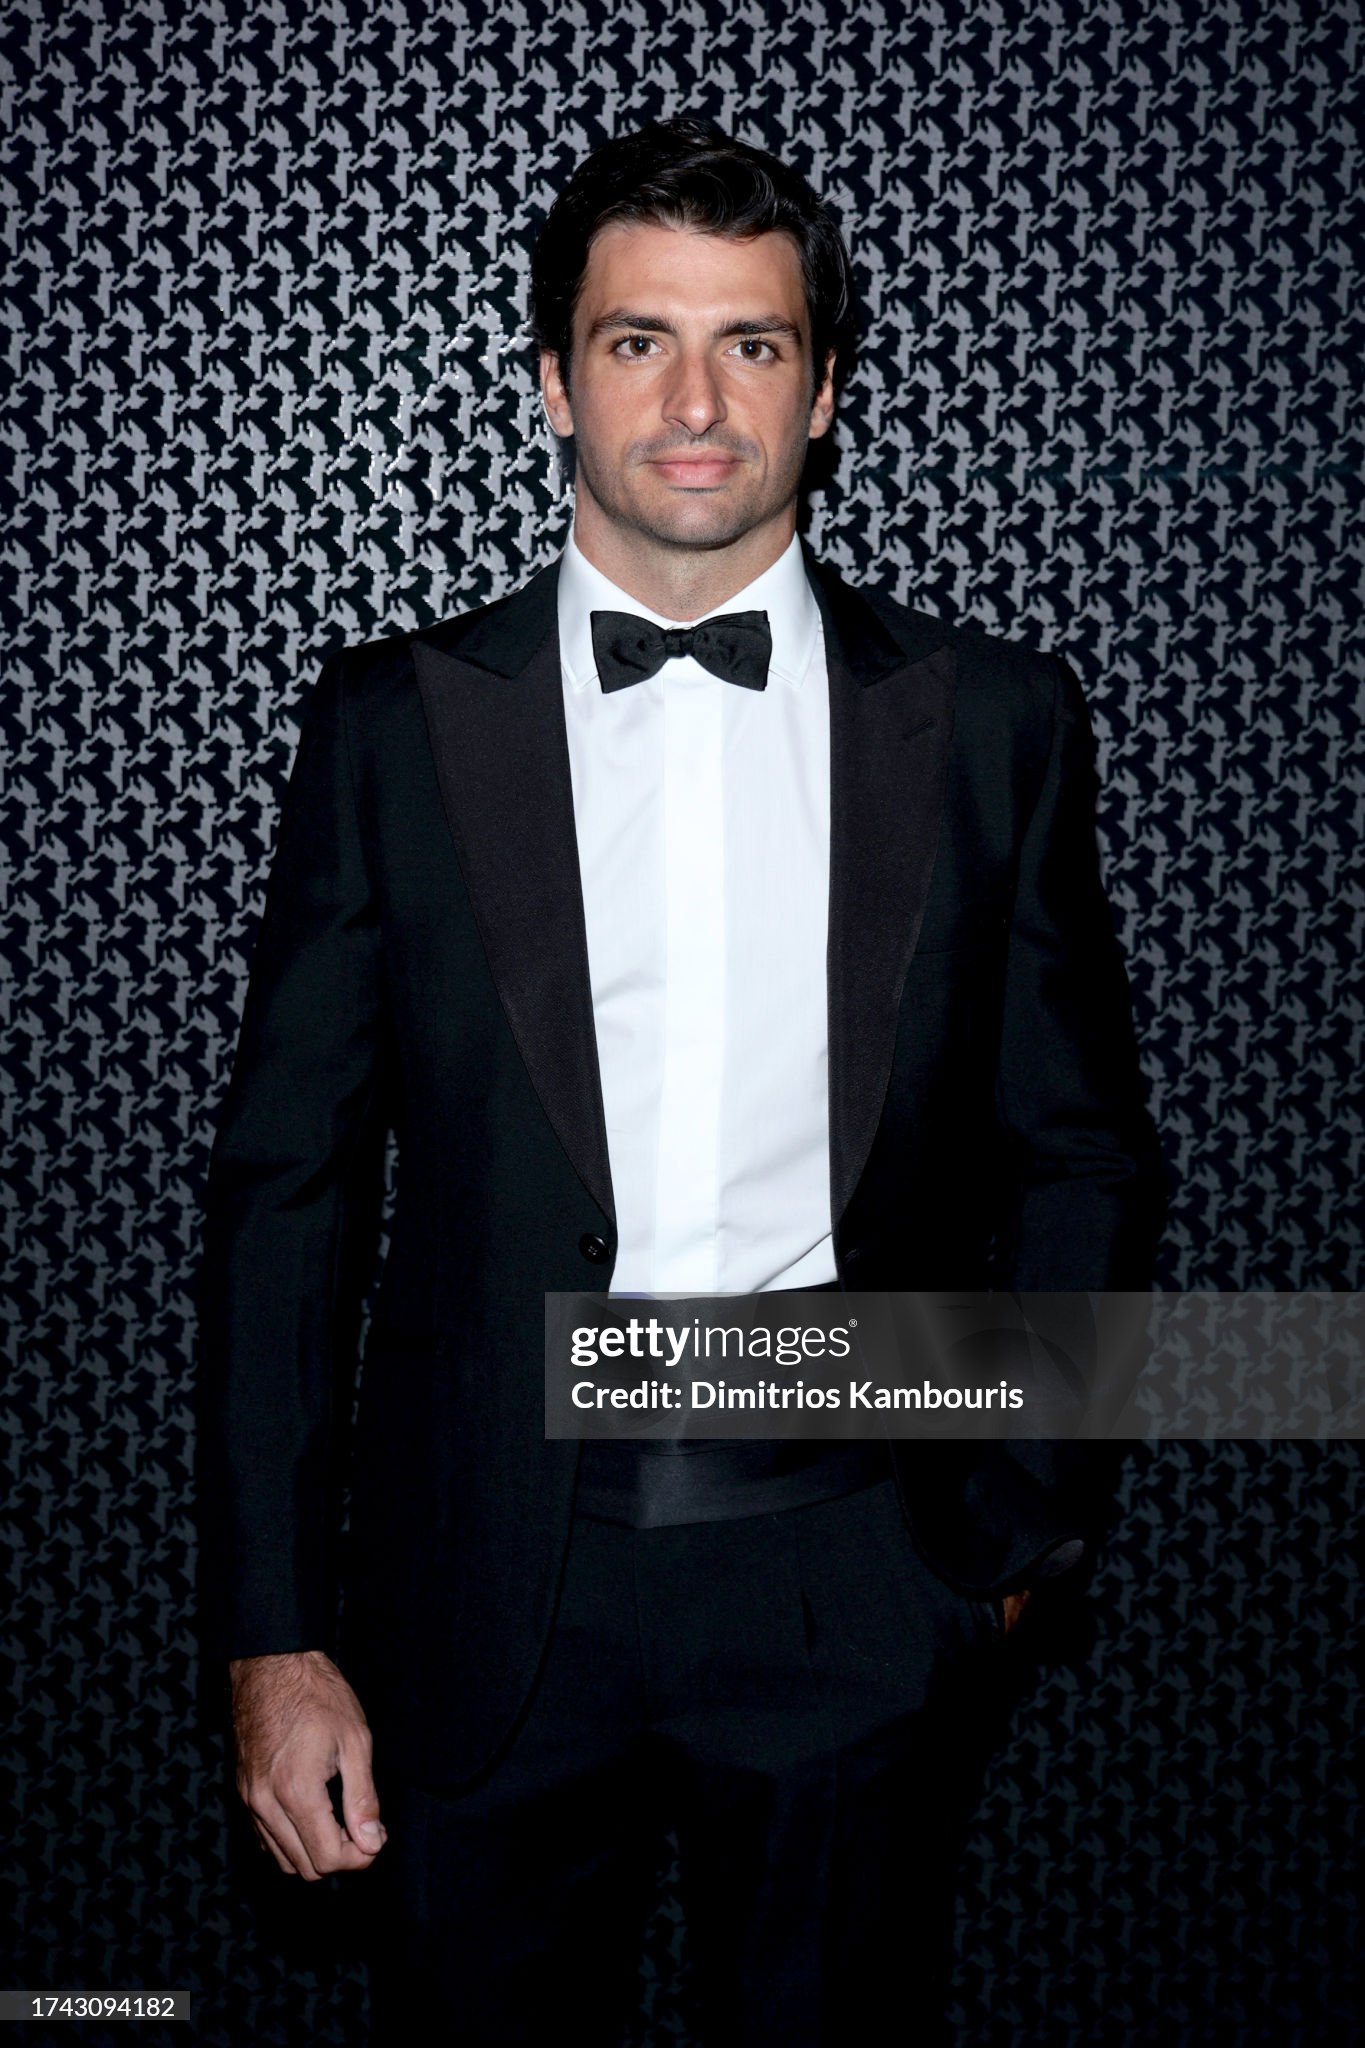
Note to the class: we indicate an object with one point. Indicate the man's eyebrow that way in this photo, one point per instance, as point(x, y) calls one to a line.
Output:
point(652, 323)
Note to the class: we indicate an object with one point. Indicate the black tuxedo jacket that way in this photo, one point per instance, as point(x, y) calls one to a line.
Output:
point(421, 965)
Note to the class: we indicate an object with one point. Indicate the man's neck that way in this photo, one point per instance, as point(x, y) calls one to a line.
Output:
point(680, 583)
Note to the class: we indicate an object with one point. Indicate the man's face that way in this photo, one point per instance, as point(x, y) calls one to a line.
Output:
point(691, 407)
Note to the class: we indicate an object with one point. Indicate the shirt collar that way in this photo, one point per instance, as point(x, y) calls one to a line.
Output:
point(783, 591)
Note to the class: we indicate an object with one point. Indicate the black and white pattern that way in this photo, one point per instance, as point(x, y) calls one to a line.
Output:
point(269, 392)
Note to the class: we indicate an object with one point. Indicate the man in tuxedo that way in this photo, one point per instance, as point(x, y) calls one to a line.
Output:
point(701, 924)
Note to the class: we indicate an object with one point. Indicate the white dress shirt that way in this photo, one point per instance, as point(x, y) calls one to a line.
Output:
point(702, 815)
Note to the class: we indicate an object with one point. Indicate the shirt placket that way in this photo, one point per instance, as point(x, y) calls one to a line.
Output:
point(687, 1245)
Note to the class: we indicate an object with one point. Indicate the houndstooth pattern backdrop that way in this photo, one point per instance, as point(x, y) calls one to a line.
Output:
point(269, 392)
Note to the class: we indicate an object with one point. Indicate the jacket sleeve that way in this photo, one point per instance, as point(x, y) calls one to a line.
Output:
point(1084, 1185)
point(1083, 1190)
point(281, 1198)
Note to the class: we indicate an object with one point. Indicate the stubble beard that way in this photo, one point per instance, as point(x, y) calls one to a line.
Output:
point(733, 519)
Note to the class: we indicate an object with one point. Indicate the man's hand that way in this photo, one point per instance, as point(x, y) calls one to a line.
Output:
point(1013, 1604)
point(297, 1724)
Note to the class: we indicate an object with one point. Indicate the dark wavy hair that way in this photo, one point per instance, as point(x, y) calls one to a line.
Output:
point(689, 173)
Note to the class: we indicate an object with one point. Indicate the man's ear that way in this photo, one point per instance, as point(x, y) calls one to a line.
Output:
point(822, 405)
point(554, 394)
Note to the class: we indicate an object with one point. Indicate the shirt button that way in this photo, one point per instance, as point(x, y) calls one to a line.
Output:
point(595, 1248)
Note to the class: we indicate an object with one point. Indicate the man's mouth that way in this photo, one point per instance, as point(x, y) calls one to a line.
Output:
point(695, 472)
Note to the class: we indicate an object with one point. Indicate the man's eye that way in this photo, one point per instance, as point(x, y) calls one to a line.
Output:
point(750, 346)
point(628, 343)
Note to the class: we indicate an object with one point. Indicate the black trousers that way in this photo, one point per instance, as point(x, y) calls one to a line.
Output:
point(807, 1705)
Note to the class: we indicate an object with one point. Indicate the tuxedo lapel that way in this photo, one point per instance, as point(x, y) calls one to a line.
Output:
point(891, 721)
point(494, 705)
point(493, 696)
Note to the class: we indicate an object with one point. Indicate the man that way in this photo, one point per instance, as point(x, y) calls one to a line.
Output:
point(682, 957)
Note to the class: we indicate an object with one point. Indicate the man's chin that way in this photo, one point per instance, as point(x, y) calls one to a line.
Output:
point(706, 521)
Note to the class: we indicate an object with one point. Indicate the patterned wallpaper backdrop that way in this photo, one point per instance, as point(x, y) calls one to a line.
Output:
point(265, 282)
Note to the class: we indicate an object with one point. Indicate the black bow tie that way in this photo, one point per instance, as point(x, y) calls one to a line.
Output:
point(737, 647)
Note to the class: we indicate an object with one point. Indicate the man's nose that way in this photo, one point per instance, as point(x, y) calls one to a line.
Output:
point(693, 398)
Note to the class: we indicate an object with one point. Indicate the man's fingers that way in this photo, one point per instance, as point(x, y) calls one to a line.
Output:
point(280, 1823)
point(253, 1799)
point(266, 1840)
point(309, 1851)
point(320, 1834)
point(359, 1800)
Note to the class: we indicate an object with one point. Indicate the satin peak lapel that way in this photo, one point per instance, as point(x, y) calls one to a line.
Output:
point(891, 698)
point(493, 698)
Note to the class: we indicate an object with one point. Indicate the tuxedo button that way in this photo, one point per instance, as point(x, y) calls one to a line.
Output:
point(595, 1248)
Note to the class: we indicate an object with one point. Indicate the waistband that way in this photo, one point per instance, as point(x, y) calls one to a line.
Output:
point(658, 1482)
